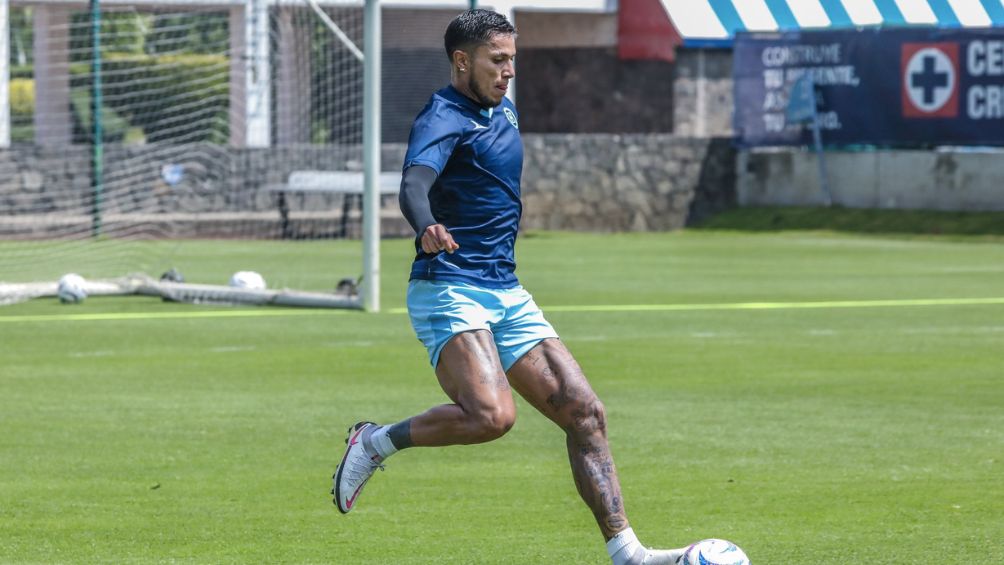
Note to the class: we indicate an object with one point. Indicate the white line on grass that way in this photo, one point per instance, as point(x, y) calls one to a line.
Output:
point(117, 316)
point(956, 330)
point(232, 349)
point(83, 354)
point(777, 305)
point(706, 335)
point(114, 316)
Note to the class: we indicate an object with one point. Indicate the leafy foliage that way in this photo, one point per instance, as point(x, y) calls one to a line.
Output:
point(171, 98)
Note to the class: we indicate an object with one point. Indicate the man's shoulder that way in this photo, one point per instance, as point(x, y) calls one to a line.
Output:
point(439, 107)
point(445, 100)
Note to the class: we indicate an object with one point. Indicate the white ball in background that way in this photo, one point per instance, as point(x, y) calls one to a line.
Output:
point(247, 279)
point(71, 289)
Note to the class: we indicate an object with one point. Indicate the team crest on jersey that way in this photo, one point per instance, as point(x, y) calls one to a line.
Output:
point(512, 117)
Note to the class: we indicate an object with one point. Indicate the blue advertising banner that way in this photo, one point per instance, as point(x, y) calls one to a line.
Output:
point(896, 87)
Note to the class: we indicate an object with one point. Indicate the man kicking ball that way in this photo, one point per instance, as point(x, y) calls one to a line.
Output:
point(483, 331)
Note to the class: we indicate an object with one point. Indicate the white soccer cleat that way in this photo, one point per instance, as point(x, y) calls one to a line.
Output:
point(644, 556)
point(664, 556)
point(356, 468)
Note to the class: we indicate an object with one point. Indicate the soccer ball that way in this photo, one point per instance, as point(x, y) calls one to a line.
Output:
point(247, 279)
point(714, 552)
point(71, 289)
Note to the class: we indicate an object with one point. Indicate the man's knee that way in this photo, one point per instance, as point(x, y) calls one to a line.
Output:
point(586, 416)
point(492, 423)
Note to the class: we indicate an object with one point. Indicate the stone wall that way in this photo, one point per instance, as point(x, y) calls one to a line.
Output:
point(707, 71)
point(214, 178)
point(221, 191)
point(599, 182)
point(624, 182)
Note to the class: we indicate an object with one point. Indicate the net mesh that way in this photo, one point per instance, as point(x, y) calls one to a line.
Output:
point(202, 127)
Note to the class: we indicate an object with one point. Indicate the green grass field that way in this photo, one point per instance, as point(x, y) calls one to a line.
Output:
point(867, 428)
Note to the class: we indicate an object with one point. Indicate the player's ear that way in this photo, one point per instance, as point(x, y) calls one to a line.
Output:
point(461, 60)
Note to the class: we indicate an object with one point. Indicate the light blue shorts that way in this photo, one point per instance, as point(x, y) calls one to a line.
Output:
point(441, 310)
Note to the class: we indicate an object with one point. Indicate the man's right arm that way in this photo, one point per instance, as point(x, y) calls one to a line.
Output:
point(416, 184)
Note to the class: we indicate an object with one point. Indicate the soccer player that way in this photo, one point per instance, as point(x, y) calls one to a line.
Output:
point(484, 333)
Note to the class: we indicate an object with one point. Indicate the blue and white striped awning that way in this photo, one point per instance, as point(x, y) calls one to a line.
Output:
point(717, 21)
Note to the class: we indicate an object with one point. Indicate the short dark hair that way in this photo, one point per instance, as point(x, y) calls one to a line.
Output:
point(473, 28)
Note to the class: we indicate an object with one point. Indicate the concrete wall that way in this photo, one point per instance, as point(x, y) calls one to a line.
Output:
point(946, 179)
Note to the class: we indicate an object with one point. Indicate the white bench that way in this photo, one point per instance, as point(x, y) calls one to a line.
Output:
point(347, 183)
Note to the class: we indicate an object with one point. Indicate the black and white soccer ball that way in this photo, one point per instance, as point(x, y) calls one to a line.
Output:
point(71, 289)
point(714, 552)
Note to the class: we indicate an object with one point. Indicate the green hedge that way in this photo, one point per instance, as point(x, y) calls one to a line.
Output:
point(183, 98)
point(165, 98)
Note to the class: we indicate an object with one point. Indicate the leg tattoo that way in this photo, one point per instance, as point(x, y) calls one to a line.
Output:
point(553, 382)
point(593, 469)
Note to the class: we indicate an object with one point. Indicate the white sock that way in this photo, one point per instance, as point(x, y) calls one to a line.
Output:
point(381, 443)
point(623, 547)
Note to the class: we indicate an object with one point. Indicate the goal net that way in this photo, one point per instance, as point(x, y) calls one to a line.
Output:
point(169, 141)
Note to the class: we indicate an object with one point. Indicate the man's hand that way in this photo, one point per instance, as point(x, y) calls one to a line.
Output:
point(436, 239)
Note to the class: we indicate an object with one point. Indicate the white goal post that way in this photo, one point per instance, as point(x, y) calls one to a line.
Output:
point(372, 30)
